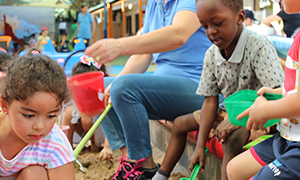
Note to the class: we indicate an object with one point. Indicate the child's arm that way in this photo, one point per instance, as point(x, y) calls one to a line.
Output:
point(106, 152)
point(262, 110)
point(62, 42)
point(65, 172)
point(208, 114)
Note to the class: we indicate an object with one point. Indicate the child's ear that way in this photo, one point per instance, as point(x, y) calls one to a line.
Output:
point(241, 16)
point(3, 105)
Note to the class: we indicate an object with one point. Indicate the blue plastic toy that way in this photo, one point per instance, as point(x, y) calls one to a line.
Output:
point(61, 58)
point(65, 60)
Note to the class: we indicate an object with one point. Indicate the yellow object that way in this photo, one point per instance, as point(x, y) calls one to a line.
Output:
point(44, 42)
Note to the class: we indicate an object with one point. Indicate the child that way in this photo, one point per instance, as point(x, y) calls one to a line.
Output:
point(79, 124)
point(277, 157)
point(42, 37)
point(239, 59)
point(32, 145)
point(64, 43)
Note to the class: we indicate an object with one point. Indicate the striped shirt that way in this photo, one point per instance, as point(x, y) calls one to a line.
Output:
point(52, 151)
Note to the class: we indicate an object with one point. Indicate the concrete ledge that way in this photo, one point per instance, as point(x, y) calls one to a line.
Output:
point(160, 136)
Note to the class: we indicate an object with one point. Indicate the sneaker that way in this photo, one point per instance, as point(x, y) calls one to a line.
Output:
point(133, 170)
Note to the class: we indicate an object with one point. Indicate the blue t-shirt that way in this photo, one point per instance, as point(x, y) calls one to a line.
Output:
point(186, 61)
point(85, 23)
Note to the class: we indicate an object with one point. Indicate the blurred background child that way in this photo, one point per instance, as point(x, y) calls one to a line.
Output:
point(81, 125)
point(64, 43)
point(42, 37)
point(32, 145)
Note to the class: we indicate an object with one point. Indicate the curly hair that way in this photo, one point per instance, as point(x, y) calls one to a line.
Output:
point(32, 73)
point(234, 5)
point(5, 60)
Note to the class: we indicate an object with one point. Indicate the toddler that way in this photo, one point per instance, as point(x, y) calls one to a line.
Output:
point(32, 145)
point(81, 125)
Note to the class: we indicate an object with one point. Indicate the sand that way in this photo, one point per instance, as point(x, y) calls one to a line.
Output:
point(96, 169)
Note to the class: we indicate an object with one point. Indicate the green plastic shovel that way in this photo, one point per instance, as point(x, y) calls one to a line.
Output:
point(195, 170)
point(91, 131)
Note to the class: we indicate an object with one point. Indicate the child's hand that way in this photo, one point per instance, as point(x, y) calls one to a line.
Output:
point(198, 156)
point(224, 129)
point(256, 114)
point(264, 90)
point(106, 154)
point(107, 95)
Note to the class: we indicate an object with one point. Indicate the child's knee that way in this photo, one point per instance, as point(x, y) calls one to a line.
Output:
point(236, 140)
point(178, 124)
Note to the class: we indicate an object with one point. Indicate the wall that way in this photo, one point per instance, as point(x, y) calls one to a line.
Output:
point(39, 16)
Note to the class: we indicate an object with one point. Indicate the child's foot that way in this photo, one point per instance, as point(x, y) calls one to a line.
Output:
point(161, 175)
point(133, 170)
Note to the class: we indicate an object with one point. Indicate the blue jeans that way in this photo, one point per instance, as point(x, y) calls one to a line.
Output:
point(282, 44)
point(137, 98)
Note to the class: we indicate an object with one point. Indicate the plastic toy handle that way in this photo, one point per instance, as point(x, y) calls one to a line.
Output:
point(44, 42)
point(91, 131)
point(76, 41)
point(195, 171)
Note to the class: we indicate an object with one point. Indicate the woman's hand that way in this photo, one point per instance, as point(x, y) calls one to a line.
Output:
point(104, 50)
point(256, 114)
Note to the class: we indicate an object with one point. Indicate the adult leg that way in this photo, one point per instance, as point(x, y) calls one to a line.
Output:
point(112, 128)
point(138, 97)
point(282, 44)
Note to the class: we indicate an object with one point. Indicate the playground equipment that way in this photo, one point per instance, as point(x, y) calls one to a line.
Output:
point(4, 42)
point(65, 60)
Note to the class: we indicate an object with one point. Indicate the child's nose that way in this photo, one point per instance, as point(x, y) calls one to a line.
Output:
point(38, 124)
point(212, 30)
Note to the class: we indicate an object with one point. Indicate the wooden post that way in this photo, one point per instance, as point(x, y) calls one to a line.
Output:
point(110, 21)
point(101, 25)
point(123, 18)
point(141, 13)
point(94, 33)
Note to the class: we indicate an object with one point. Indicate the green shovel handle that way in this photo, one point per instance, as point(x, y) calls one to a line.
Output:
point(91, 131)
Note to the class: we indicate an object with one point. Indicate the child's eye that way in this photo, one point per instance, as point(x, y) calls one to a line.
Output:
point(28, 115)
point(219, 24)
point(51, 116)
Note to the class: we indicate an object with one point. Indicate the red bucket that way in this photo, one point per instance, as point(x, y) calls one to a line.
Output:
point(87, 90)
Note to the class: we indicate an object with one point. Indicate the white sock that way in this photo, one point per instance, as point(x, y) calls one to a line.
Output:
point(159, 176)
